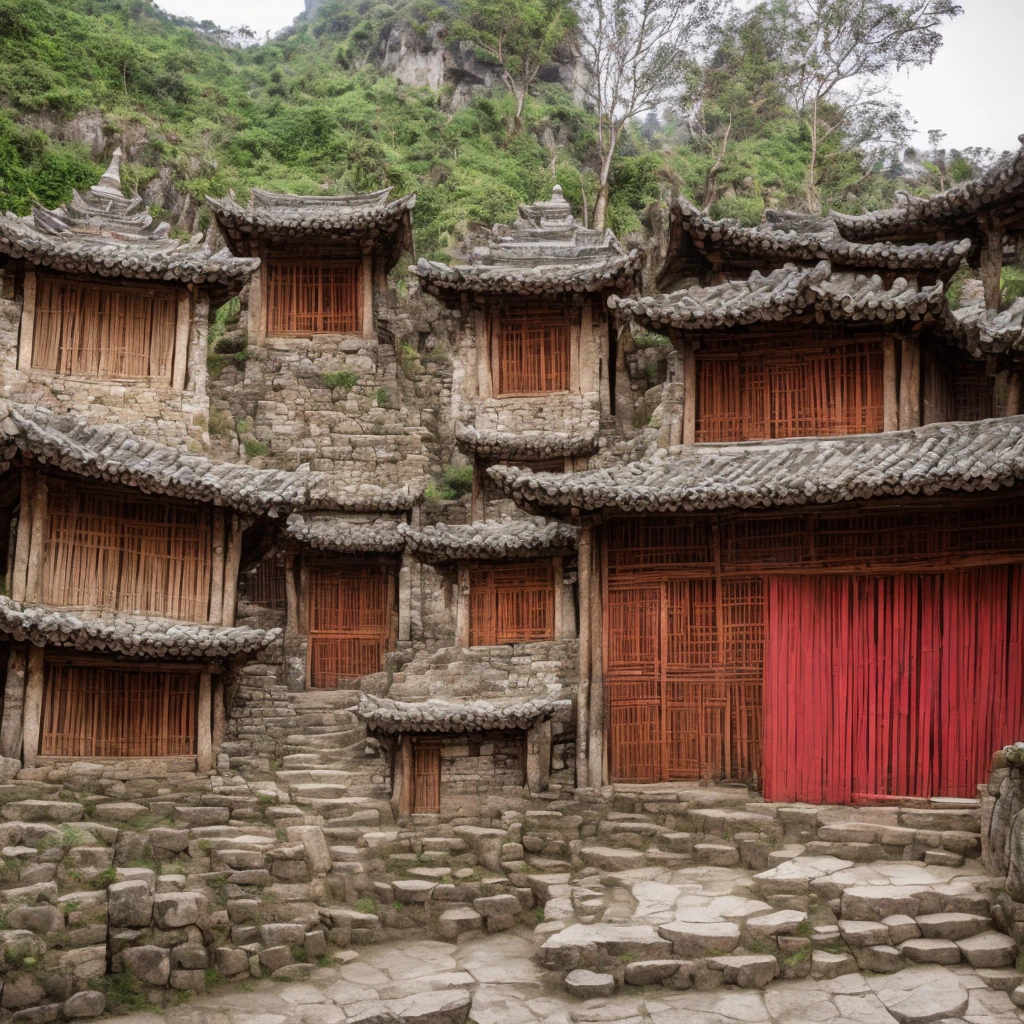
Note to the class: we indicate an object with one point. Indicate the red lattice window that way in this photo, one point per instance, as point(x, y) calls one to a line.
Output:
point(108, 550)
point(511, 603)
point(426, 777)
point(118, 711)
point(264, 582)
point(533, 352)
point(121, 331)
point(350, 615)
point(764, 387)
point(311, 292)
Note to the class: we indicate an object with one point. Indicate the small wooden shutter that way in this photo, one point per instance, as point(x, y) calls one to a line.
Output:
point(511, 603)
point(426, 777)
point(118, 711)
point(264, 582)
point(533, 352)
point(313, 292)
point(115, 331)
point(350, 613)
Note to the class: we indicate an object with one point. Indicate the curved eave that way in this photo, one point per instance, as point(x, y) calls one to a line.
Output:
point(449, 283)
point(946, 457)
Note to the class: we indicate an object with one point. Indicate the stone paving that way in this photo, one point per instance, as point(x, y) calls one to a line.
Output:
point(496, 978)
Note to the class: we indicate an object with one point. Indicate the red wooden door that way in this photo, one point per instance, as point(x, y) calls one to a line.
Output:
point(881, 686)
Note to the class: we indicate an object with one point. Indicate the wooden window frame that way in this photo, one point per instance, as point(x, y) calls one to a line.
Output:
point(63, 304)
point(367, 641)
point(501, 593)
point(91, 529)
point(558, 327)
point(338, 273)
point(759, 385)
point(139, 716)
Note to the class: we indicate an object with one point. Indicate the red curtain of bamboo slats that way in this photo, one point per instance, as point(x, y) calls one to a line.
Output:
point(115, 711)
point(511, 603)
point(311, 293)
point(533, 352)
point(768, 388)
point(880, 686)
point(113, 551)
point(350, 609)
point(117, 331)
point(426, 777)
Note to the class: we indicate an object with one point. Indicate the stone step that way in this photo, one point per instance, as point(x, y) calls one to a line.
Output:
point(299, 776)
point(303, 792)
point(42, 810)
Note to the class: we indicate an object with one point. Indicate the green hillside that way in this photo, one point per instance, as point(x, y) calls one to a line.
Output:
point(312, 110)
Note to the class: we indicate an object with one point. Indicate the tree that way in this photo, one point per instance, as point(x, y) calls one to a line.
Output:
point(634, 55)
point(840, 58)
point(520, 36)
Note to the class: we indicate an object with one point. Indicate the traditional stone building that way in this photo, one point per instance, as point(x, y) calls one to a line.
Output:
point(811, 584)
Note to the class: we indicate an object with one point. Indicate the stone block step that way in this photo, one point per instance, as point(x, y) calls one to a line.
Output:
point(43, 810)
point(324, 740)
point(330, 776)
point(303, 792)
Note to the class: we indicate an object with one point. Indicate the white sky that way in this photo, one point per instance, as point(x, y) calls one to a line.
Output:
point(974, 91)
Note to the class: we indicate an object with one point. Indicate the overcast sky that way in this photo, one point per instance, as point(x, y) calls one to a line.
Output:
point(974, 91)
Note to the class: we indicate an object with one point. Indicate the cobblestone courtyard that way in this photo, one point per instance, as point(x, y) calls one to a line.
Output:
point(497, 981)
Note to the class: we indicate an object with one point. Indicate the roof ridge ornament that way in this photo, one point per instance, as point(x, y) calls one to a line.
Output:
point(110, 182)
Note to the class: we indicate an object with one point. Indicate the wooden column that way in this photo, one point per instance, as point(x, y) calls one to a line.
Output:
point(1013, 387)
point(37, 544)
point(401, 797)
point(890, 394)
point(405, 596)
point(595, 738)
point(544, 752)
point(256, 324)
point(14, 705)
point(291, 596)
point(991, 266)
point(232, 562)
point(303, 596)
point(28, 322)
point(24, 540)
point(366, 281)
point(583, 690)
point(182, 330)
point(217, 567)
point(33, 707)
point(219, 717)
point(910, 382)
point(204, 729)
point(532, 759)
point(688, 373)
point(462, 605)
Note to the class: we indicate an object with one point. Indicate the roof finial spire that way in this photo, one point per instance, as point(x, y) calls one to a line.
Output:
point(111, 180)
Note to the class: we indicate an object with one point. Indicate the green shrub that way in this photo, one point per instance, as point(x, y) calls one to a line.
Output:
point(342, 379)
point(255, 448)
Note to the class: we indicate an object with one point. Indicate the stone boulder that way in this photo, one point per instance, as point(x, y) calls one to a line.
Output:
point(150, 964)
point(692, 940)
point(588, 985)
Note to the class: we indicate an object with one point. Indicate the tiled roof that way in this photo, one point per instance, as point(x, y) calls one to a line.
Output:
point(129, 635)
point(338, 533)
point(545, 252)
point(496, 444)
point(1002, 186)
point(382, 714)
point(785, 293)
point(492, 540)
point(983, 332)
point(981, 455)
point(280, 217)
point(694, 238)
point(100, 232)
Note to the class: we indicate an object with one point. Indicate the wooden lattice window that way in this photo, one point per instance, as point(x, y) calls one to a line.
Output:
point(973, 392)
point(426, 777)
point(111, 551)
point(118, 711)
point(350, 619)
point(264, 582)
point(532, 355)
point(762, 387)
point(116, 331)
point(511, 603)
point(313, 291)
